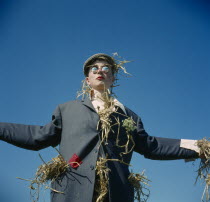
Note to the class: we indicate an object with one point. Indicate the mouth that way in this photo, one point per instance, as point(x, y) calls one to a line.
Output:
point(100, 78)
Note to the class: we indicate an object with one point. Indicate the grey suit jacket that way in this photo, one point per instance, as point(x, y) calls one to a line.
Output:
point(74, 129)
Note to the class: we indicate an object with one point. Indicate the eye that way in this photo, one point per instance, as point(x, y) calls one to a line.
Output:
point(105, 69)
point(94, 69)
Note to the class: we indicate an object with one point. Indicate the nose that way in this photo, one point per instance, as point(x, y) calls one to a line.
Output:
point(99, 70)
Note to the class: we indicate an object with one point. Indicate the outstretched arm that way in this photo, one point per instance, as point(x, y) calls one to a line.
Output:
point(158, 148)
point(33, 137)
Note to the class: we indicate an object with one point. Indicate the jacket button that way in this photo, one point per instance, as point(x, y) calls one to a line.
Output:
point(96, 150)
point(92, 167)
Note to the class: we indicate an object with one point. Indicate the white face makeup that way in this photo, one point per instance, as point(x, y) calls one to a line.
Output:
point(100, 76)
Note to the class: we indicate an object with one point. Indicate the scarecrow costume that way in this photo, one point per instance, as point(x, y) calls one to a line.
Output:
point(97, 145)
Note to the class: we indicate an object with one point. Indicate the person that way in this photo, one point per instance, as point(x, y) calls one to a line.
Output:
point(97, 136)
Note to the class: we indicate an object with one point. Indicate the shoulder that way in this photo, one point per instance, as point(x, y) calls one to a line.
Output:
point(131, 113)
point(72, 103)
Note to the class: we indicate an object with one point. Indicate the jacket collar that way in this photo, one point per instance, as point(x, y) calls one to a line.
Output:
point(87, 102)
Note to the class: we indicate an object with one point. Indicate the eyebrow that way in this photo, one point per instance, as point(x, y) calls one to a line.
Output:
point(97, 65)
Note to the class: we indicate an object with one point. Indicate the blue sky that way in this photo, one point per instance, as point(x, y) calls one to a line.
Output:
point(43, 45)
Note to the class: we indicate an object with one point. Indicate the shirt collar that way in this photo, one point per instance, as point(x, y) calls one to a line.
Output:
point(116, 102)
point(119, 104)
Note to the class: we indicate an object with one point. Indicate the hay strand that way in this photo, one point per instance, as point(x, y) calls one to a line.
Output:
point(203, 171)
point(102, 172)
point(141, 193)
point(45, 174)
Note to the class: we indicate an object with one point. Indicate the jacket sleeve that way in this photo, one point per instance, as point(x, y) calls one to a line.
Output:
point(160, 148)
point(33, 137)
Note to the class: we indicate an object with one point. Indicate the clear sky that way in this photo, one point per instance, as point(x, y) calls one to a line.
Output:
point(43, 45)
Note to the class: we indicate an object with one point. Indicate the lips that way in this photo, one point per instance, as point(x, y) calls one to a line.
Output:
point(100, 78)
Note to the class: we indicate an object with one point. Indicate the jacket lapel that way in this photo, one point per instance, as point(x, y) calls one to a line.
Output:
point(87, 102)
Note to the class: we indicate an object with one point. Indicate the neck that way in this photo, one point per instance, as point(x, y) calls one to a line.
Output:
point(95, 94)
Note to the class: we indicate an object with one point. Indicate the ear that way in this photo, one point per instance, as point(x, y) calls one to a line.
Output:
point(87, 80)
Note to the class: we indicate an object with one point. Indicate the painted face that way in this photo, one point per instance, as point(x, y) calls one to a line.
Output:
point(100, 76)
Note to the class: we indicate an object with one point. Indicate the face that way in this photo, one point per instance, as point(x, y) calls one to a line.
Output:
point(100, 76)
